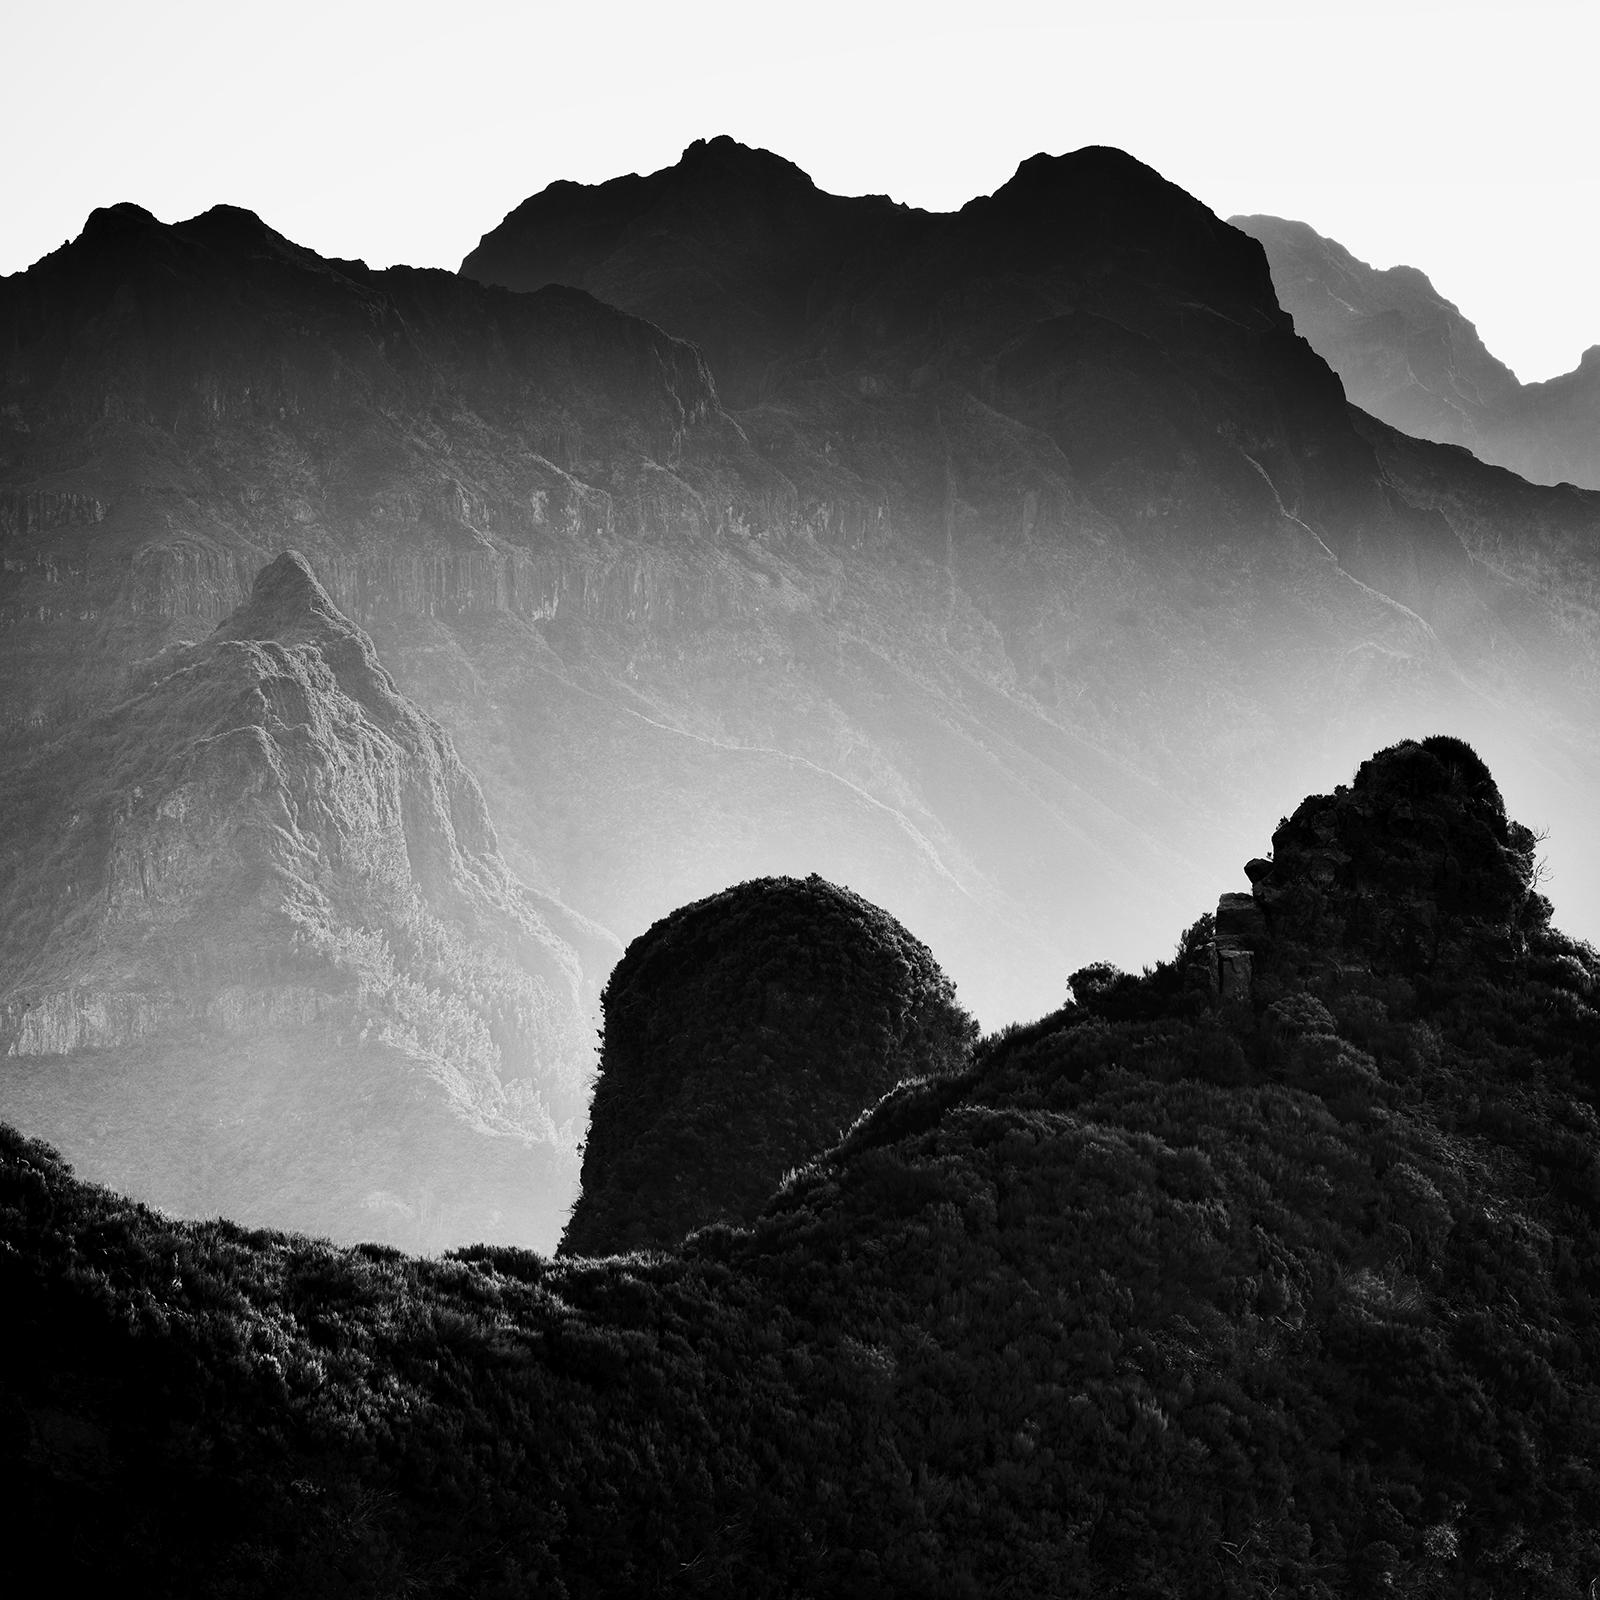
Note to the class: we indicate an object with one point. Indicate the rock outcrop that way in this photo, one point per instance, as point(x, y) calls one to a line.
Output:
point(742, 1035)
point(1414, 870)
point(262, 899)
point(1413, 873)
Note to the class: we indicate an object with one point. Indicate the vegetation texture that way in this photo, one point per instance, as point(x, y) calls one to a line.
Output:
point(1156, 1297)
point(742, 1034)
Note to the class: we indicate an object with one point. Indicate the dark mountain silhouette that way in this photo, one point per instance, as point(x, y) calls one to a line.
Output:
point(735, 249)
point(1409, 356)
point(1287, 1289)
point(261, 953)
point(742, 1034)
point(1037, 546)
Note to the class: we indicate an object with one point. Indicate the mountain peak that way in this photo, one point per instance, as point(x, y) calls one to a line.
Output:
point(121, 215)
point(726, 155)
point(1094, 167)
point(234, 222)
point(286, 598)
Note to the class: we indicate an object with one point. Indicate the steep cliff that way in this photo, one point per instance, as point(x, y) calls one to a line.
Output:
point(742, 1034)
point(261, 954)
point(1410, 357)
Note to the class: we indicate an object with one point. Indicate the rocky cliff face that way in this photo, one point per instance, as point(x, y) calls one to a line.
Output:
point(1409, 356)
point(743, 1034)
point(262, 897)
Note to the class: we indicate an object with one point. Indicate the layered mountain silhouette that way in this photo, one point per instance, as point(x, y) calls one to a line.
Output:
point(999, 565)
point(262, 956)
point(1410, 357)
point(1178, 1290)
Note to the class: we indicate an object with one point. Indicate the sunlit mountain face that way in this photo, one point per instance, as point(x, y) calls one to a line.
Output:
point(1016, 567)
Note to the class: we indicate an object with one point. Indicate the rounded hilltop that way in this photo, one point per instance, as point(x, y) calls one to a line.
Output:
point(742, 1033)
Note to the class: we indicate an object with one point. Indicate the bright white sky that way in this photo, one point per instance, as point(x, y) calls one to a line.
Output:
point(1458, 137)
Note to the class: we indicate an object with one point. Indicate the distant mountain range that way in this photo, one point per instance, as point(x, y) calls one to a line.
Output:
point(1004, 566)
point(1407, 355)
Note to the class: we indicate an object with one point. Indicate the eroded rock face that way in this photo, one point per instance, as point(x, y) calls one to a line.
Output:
point(742, 1035)
point(268, 855)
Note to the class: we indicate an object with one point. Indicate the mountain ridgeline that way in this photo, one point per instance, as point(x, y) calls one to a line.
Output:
point(995, 563)
point(1280, 1285)
point(397, 666)
point(1409, 356)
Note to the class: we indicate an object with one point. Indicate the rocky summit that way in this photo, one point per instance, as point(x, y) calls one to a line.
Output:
point(262, 955)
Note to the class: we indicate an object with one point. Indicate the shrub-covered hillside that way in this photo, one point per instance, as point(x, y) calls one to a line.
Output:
point(743, 1033)
point(1161, 1296)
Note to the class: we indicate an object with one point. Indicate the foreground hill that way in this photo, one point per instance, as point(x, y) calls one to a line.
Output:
point(261, 954)
point(1291, 1293)
point(1037, 543)
point(743, 1033)
point(1409, 356)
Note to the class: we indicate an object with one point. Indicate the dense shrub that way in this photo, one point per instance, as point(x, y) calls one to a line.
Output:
point(742, 1033)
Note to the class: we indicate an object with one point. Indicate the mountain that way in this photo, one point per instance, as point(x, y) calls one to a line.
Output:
point(1130, 465)
point(670, 664)
point(741, 1034)
point(1288, 1287)
point(1000, 565)
point(262, 956)
point(1407, 355)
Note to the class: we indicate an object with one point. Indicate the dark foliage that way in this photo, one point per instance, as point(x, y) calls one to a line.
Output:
point(742, 1033)
point(1296, 1295)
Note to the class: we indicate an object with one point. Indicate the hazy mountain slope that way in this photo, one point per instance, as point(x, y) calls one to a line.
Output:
point(404, 429)
point(1105, 432)
point(1292, 1295)
point(1403, 351)
point(261, 955)
point(1046, 543)
point(1409, 357)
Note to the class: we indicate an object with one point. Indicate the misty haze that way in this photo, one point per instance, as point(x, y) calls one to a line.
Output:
point(935, 865)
